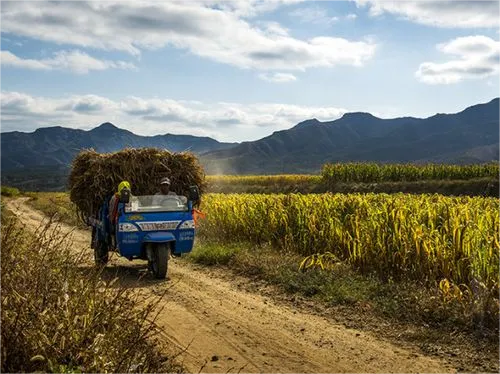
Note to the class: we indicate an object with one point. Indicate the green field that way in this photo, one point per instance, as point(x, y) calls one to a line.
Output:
point(450, 180)
point(371, 172)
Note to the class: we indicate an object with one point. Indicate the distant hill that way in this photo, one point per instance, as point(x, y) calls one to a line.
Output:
point(57, 146)
point(470, 136)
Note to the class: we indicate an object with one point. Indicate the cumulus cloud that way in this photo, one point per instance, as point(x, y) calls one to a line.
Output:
point(278, 77)
point(476, 57)
point(75, 61)
point(351, 16)
point(157, 116)
point(13, 102)
point(87, 104)
point(440, 13)
point(214, 30)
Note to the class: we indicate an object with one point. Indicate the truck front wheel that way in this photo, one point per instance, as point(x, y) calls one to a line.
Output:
point(159, 263)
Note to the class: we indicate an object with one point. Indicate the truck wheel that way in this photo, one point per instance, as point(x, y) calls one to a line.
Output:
point(101, 253)
point(93, 240)
point(159, 265)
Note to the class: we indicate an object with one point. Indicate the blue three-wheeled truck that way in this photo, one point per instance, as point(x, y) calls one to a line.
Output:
point(151, 228)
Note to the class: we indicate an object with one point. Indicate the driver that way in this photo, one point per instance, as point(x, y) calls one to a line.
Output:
point(159, 197)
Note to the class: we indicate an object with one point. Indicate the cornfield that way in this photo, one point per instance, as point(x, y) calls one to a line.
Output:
point(372, 172)
point(424, 237)
point(471, 180)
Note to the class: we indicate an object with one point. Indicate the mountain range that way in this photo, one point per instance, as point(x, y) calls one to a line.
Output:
point(57, 146)
point(470, 136)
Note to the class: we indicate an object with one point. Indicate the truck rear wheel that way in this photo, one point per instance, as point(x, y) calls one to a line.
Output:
point(159, 265)
point(101, 253)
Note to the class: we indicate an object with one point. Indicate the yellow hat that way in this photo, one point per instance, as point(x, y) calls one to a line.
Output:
point(122, 185)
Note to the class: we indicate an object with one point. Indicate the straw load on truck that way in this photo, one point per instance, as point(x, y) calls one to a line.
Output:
point(95, 176)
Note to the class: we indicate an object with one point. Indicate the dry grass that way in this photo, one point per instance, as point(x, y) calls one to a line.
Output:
point(56, 205)
point(58, 316)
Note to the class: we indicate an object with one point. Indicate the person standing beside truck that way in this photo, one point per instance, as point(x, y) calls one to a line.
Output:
point(113, 204)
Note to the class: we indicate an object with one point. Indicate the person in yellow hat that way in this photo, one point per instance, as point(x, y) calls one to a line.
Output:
point(113, 204)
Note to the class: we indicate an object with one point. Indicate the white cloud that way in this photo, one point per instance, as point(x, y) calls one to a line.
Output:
point(351, 16)
point(314, 15)
point(87, 104)
point(278, 77)
point(212, 30)
point(9, 59)
point(75, 61)
point(16, 101)
point(440, 13)
point(478, 57)
point(158, 116)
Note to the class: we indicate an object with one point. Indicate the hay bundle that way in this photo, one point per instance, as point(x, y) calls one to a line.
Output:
point(95, 177)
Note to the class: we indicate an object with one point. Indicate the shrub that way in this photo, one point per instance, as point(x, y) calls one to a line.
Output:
point(9, 191)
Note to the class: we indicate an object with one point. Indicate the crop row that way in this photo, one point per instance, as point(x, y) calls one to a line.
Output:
point(372, 172)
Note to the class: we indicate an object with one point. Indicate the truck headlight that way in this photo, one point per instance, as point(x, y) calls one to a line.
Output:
point(189, 224)
point(127, 227)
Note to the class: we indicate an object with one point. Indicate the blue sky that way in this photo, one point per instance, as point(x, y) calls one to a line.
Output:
point(239, 70)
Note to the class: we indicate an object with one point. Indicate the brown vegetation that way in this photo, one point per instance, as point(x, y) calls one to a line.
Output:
point(60, 316)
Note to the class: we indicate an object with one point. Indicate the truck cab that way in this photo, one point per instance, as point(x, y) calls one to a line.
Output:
point(152, 228)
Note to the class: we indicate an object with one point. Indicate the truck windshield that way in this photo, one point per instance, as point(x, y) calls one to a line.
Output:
point(157, 203)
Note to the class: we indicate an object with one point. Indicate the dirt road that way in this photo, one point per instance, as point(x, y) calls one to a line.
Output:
point(226, 329)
